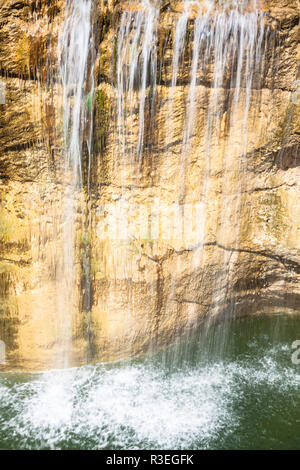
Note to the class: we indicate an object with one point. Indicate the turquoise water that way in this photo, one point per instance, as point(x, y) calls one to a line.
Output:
point(243, 395)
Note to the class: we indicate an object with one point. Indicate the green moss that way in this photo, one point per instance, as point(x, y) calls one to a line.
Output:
point(22, 54)
point(6, 229)
point(7, 225)
point(271, 214)
point(102, 117)
point(7, 268)
point(115, 54)
point(8, 310)
point(102, 61)
point(89, 102)
point(137, 247)
point(97, 267)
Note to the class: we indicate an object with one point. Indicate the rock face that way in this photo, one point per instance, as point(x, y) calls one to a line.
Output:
point(189, 206)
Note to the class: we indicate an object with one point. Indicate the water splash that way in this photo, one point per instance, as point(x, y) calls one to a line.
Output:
point(145, 406)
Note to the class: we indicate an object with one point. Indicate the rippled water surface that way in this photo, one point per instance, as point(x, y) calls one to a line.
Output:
point(244, 395)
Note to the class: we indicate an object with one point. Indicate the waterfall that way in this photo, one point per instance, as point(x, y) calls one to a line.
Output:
point(74, 42)
point(214, 61)
point(179, 43)
point(136, 73)
point(225, 39)
point(237, 42)
point(149, 227)
point(229, 42)
point(74, 48)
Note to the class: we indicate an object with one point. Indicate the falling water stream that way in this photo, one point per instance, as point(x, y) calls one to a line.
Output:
point(137, 63)
point(195, 394)
point(74, 48)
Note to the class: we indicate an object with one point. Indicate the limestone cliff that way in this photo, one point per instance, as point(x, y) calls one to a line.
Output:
point(212, 228)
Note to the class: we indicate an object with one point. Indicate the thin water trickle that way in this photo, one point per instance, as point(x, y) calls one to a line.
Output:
point(136, 75)
point(178, 51)
point(74, 48)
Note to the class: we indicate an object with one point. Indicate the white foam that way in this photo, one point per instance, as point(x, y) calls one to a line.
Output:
point(136, 406)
